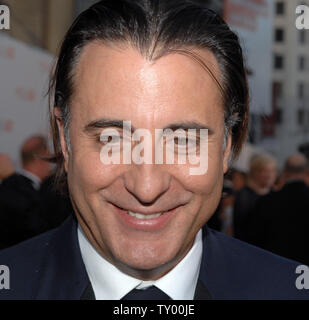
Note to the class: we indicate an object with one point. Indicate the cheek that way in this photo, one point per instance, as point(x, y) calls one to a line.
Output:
point(211, 181)
point(86, 170)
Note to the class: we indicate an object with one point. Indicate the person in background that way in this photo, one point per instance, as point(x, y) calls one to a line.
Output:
point(281, 219)
point(34, 152)
point(227, 208)
point(6, 166)
point(238, 178)
point(279, 183)
point(222, 219)
point(261, 177)
point(20, 204)
point(307, 174)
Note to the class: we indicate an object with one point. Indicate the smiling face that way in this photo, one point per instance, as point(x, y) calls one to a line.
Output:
point(117, 84)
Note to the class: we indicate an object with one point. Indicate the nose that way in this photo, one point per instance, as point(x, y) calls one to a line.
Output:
point(147, 182)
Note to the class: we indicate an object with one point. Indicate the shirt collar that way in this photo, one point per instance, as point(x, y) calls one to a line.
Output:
point(36, 181)
point(109, 283)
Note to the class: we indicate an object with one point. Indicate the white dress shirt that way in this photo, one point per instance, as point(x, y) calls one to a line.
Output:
point(109, 283)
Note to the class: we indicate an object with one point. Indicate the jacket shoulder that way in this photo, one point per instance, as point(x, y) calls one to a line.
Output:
point(232, 269)
point(47, 267)
point(24, 262)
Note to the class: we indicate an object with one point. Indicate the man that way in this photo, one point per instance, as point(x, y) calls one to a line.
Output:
point(20, 209)
point(170, 65)
point(280, 221)
point(261, 178)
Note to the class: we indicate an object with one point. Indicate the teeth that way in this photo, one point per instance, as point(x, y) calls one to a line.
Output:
point(143, 216)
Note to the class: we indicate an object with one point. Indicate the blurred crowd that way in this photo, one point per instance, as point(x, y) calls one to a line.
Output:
point(29, 203)
point(265, 206)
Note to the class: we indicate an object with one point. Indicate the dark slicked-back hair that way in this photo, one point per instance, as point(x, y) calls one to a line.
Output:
point(154, 28)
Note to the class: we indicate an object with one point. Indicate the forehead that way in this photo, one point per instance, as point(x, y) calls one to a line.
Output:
point(118, 80)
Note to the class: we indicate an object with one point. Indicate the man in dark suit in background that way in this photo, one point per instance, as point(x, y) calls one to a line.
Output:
point(261, 178)
point(20, 206)
point(280, 221)
point(162, 65)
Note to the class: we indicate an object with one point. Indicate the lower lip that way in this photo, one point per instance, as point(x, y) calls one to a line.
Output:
point(145, 224)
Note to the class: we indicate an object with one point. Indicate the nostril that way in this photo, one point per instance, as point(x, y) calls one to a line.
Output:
point(146, 198)
point(147, 184)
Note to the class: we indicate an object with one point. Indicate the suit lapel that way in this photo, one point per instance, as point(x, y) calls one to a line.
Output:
point(62, 275)
point(201, 292)
point(88, 293)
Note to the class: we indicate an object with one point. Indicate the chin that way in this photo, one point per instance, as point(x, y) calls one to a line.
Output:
point(145, 258)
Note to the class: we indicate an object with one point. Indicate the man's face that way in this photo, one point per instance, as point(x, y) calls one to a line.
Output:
point(266, 175)
point(117, 83)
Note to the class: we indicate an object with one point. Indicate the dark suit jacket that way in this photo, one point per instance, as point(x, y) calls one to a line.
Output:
point(280, 222)
point(50, 266)
point(20, 211)
point(56, 207)
point(245, 201)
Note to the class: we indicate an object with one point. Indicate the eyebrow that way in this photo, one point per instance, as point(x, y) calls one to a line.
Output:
point(188, 125)
point(106, 123)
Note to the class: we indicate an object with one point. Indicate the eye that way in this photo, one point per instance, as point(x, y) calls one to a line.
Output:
point(110, 136)
point(181, 141)
point(110, 139)
point(189, 141)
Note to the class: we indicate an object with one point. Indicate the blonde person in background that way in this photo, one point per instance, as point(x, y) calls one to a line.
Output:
point(261, 178)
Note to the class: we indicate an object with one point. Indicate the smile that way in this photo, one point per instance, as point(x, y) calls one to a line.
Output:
point(147, 221)
point(144, 216)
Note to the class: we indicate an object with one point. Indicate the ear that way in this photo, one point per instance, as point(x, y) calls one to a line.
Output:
point(227, 153)
point(63, 143)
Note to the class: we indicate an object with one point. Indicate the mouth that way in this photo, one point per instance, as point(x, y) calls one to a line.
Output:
point(148, 221)
point(145, 216)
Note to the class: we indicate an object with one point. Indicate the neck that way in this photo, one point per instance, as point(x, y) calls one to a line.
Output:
point(257, 188)
point(32, 169)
